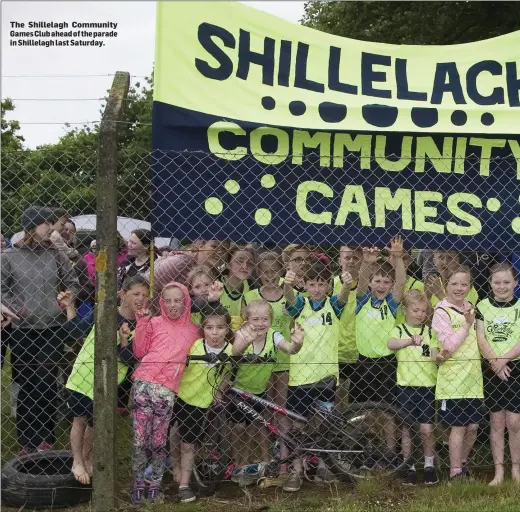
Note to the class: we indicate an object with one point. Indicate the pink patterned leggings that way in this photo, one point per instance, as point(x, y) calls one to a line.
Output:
point(152, 409)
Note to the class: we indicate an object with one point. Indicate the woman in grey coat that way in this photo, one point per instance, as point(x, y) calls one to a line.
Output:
point(32, 275)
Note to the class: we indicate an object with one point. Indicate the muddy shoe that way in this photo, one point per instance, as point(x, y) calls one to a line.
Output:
point(186, 495)
point(293, 482)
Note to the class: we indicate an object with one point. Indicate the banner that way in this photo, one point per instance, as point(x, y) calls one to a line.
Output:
point(269, 131)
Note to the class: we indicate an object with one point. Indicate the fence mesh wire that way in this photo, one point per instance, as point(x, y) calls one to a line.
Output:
point(370, 382)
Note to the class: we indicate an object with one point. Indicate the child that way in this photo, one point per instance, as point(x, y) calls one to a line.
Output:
point(319, 315)
point(349, 261)
point(204, 287)
point(161, 344)
point(270, 268)
point(379, 292)
point(445, 262)
point(236, 281)
point(459, 379)
point(133, 296)
point(256, 336)
point(196, 394)
point(410, 284)
point(417, 349)
point(295, 258)
point(498, 334)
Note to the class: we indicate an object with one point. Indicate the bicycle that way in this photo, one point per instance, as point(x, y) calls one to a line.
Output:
point(353, 444)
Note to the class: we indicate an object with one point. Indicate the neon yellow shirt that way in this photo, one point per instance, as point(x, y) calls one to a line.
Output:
point(281, 323)
point(347, 349)
point(318, 357)
point(200, 378)
point(254, 378)
point(461, 375)
point(232, 301)
point(81, 377)
point(414, 364)
point(501, 324)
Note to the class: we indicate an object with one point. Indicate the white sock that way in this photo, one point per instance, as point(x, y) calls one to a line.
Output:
point(429, 462)
point(412, 467)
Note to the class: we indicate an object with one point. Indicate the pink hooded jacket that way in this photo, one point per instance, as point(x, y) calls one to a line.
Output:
point(162, 344)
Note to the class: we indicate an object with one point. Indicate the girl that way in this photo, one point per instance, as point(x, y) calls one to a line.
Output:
point(133, 296)
point(410, 284)
point(256, 336)
point(498, 334)
point(435, 284)
point(236, 281)
point(32, 275)
point(270, 268)
point(417, 349)
point(196, 394)
point(138, 244)
point(161, 344)
point(459, 379)
point(204, 288)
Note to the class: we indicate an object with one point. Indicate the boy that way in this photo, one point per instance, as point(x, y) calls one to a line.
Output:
point(317, 361)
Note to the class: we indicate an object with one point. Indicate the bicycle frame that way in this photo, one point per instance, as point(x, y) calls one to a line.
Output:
point(239, 398)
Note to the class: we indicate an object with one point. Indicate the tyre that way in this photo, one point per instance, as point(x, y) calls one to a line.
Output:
point(359, 438)
point(42, 480)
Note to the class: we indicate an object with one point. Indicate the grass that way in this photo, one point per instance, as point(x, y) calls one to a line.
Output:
point(365, 496)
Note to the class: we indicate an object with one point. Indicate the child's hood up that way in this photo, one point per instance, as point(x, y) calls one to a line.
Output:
point(186, 315)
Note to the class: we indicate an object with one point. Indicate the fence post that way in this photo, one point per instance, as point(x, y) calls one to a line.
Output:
point(105, 356)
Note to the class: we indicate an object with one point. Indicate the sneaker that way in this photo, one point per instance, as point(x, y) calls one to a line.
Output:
point(466, 471)
point(155, 495)
point(411, 477)
point(45, 447)
point(138, 495)
point(430, 476)
point(272, 481)
point(324, 475)
point(186, 495)
point(230, 469)
point(293, 483)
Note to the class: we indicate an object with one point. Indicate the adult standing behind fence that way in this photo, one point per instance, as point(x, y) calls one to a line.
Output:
point(32, 275)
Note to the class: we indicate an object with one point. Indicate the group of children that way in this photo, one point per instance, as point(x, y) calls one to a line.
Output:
point(373, 331)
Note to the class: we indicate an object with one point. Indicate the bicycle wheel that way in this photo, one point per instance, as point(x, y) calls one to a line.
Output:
point(364, 441)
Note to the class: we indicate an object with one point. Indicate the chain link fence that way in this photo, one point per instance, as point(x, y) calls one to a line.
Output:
point(340, 363)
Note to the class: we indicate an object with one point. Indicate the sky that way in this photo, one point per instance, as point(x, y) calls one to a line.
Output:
point(42, 120)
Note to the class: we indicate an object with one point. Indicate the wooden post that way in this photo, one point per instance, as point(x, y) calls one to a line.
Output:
point(105, 354)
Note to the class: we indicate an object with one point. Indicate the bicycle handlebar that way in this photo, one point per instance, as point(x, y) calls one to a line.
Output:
point(226, 358)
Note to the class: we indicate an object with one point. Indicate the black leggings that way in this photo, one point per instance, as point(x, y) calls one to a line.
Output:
point(38, 353)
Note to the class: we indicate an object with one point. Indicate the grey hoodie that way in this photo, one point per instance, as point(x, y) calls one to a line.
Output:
point(31, 279)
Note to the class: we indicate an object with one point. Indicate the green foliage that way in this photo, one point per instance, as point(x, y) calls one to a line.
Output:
point(414, 22)
point(64, 174)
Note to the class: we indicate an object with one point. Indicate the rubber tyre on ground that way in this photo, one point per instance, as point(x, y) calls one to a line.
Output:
point(42, 480)
point(350, 466)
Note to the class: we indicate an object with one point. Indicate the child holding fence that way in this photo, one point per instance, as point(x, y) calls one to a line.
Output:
point(197, 391)
point(257, 337)
point(270, 268)
point(416, 347)
point(161, 344)
point(459, 379)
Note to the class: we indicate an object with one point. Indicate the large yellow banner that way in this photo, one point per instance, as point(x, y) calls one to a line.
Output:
point(235, 62)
